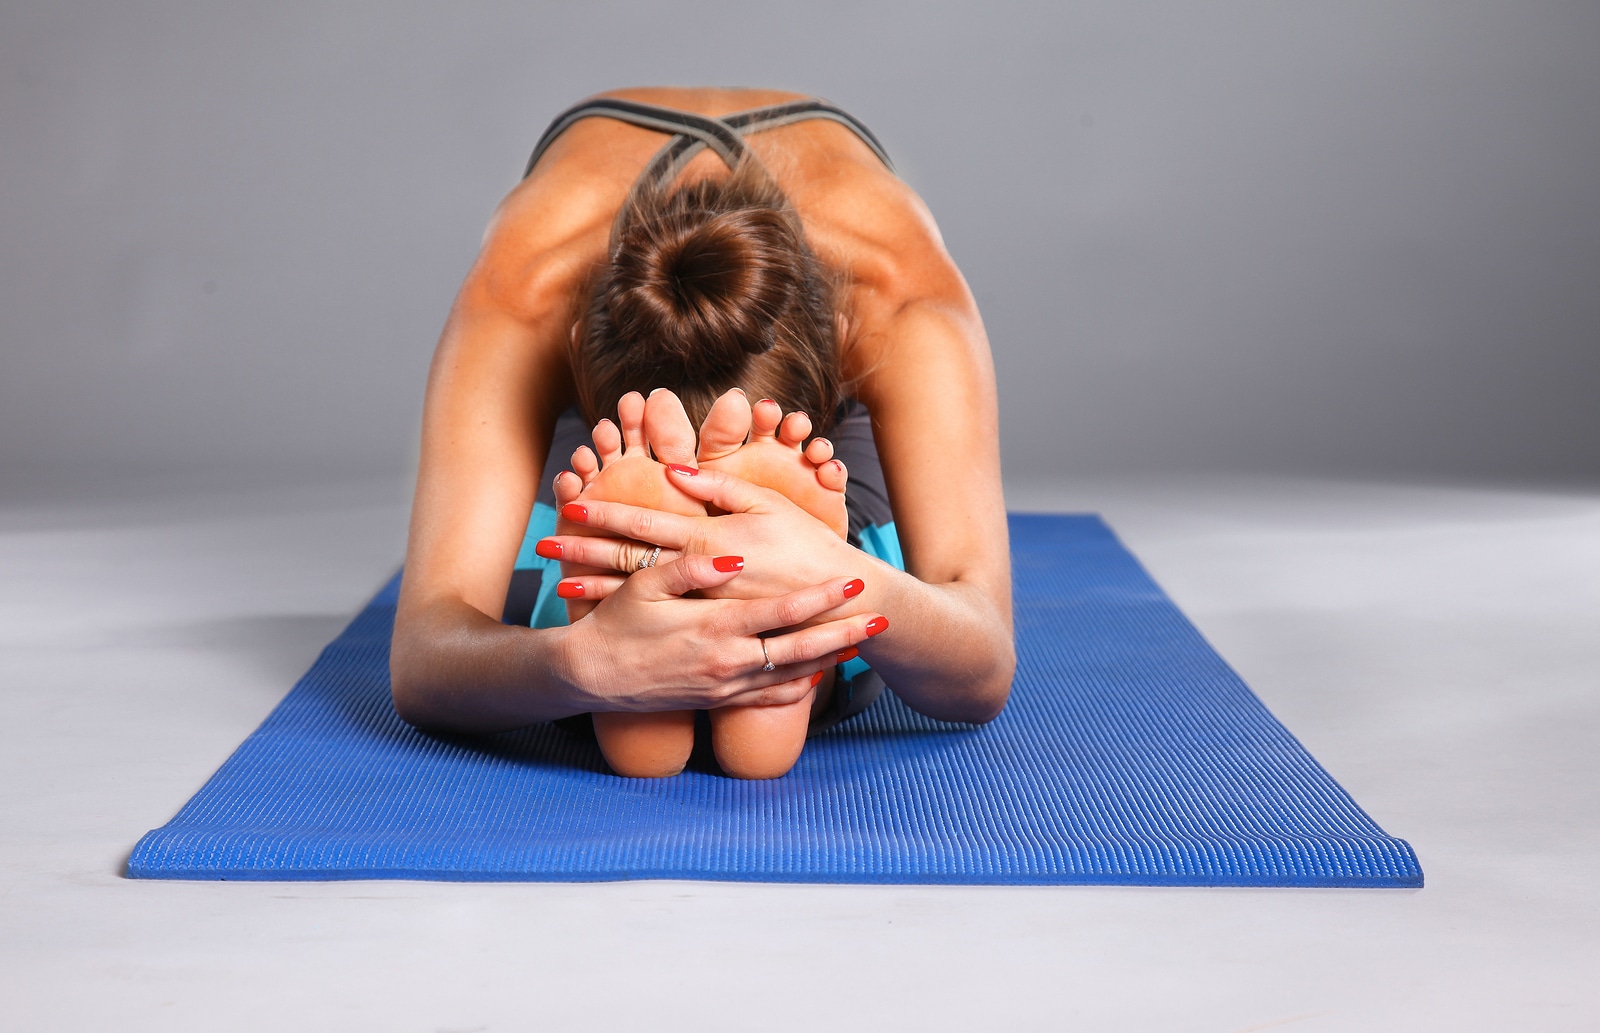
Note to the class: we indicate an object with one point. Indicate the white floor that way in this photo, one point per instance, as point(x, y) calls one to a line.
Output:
point(1437, 649)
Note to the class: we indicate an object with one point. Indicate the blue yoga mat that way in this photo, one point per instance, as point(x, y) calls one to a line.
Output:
point(1129, 753)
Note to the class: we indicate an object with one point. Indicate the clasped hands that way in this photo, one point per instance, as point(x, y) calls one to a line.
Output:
point(656, 641)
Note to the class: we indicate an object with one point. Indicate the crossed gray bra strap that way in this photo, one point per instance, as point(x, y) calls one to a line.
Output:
point(693, 133)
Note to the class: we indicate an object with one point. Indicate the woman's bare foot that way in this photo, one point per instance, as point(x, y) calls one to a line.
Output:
point(620, 469)
point(763, 446)
point(757, 444)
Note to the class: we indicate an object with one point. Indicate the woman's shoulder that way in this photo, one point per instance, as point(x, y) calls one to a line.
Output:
point(544, 236)
point(883, 240)
point(894, 269)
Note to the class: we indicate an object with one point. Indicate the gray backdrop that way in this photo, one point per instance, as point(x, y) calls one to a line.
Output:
point(1360, 238)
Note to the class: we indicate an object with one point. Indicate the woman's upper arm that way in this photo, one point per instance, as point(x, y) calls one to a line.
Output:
point(927, 376)
point(492, 398)
point(499, 379)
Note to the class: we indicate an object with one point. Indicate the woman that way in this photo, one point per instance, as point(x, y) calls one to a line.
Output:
point(766, 247)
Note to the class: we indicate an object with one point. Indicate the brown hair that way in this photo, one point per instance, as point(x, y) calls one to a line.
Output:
point(708, 287)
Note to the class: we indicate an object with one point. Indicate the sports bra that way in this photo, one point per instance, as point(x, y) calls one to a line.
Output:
point(692, 133)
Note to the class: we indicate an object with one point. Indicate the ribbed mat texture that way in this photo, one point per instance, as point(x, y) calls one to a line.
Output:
point(1129, 753)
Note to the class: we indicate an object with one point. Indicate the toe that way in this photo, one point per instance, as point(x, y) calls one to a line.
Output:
point(584, 464)
point(819, 451)
point(607, 442)
point(764, 418)
point(567, 487)
point(795, 428)
point(726, 426)
point(630, 410)
point(832, 475)
point(667, 428)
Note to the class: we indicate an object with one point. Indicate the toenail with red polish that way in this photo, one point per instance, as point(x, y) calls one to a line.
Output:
point(569, 590)
point(575, 512)
point(847, 655)
point(548, 549)
point(877, 625)
point(728, 563)
point(687, 471)
point(816, 679)
point(766, 401)
point(854, 588)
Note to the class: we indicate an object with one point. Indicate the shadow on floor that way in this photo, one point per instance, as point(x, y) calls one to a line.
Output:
point(279, 647)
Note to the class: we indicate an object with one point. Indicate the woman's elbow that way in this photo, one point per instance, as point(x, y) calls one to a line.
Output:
point(415, 696)
point(409, 698)
point(990, 694)
point(983, 694)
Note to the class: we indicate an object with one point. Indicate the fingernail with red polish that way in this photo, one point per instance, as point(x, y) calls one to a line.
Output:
point(548, 549)
point(877, 625)
point(851, 590)
point(569, 590)
point(575, 513)
point(848, 654)
point(728, 563)
point(766, 401)
point(687, 471)
point(816, 679)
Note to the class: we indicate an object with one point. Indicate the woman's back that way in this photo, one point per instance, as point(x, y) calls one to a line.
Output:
point(863, 222)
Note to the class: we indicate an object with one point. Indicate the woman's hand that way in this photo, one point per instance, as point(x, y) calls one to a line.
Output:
point(948, 653)
point(785, 547)
point(646, 648)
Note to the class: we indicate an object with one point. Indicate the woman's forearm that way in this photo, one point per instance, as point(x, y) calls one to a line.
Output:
point(652, 645)
point(454, 669)
point(948, 651)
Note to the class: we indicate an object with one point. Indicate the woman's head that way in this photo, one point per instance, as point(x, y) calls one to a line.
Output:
point(708, 287)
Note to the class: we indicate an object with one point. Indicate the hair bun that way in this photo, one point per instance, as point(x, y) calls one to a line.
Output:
point(705, 293)
point(709, 286)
